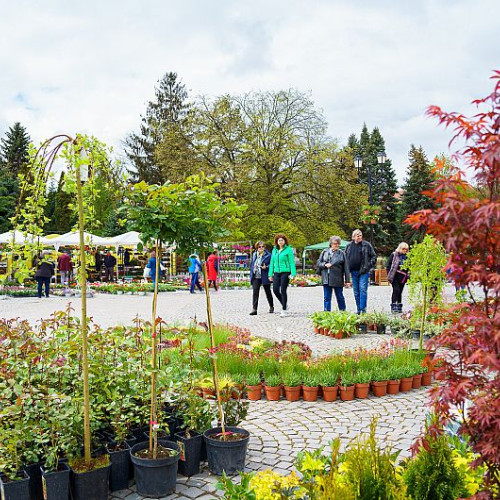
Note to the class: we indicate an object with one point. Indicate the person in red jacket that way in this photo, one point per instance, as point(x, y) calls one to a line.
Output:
point(65, 267)
point(212, 269)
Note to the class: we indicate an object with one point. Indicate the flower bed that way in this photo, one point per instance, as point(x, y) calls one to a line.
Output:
point(130, 288)
point(305, 281)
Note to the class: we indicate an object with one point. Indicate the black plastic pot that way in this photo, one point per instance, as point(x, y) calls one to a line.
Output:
point(138, 432)
point(362, 328)
point(190, 457)
point(120, 466)
point(155, 478)
point(15, 490)
point(33, 471)
point(380, 329)
point(227, 456)
point(56, 483)
point(415, 334)
point(90, 485)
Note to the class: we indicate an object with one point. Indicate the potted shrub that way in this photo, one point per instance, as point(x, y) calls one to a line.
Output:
point(361, 321)
point(381, 320)
point(292, 383)
point(197, 415)
point(344, 324)
point(362, 380)
point(272, 387)
point(380, 376)
point(406, 373)
point(393, 375)
point(310, 384)
point(347, 386)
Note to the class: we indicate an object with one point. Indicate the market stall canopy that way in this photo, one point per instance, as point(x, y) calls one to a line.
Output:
point(126, 239)
point(73, 239)
point(325, 244)
point(19, 237)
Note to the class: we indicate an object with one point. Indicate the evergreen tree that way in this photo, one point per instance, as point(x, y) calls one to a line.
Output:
point(163, 121)
point(14, 149)
point(9, 193)
point(63, 218)
point(419, 178)
point(50, 207)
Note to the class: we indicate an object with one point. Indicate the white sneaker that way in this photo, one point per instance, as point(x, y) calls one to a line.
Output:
point(283, 314)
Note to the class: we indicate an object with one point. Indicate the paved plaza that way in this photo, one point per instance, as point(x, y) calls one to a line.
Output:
point(279, 430)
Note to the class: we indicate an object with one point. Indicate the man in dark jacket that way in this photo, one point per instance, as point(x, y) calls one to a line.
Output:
point(259, 275)
point(44, 271)
point(109, 263)
point(362, 259)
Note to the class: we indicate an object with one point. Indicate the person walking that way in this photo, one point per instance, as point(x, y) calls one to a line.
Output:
point(361, 258)
point(98, 264)
point(43, 274)
point(259, 276)
point(281, 268)
point(194, 271)
point(396, 276)
point(212, 269)
point(334, 268)
point(65, 267)
point(151, 265)
point(109, 262)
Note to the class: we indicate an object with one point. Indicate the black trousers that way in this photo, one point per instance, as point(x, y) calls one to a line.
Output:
point(280, 284)
point(256, 284)
point(110, 271)
point(397, 288)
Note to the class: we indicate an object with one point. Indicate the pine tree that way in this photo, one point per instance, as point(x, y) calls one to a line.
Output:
point(9, 193)
point(419, 178)
point(14, 149)
point(163, 118)
point(63, 218)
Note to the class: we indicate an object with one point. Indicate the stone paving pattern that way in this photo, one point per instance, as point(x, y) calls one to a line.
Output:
point(279, 430)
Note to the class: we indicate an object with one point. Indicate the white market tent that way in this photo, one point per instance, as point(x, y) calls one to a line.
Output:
point(73, 239)
point(19, 237)
point(130, 239)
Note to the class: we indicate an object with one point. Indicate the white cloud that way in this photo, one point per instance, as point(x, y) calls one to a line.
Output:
point(91, 67)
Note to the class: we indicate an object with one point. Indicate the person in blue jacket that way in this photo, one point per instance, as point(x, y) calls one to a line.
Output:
point(259, 276)
point(194, 271)
point(152, 266)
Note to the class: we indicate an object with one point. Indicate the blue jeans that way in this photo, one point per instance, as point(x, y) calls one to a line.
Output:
point(195, 282)
point(360, 289)
point(339, 295)
point(43, 282)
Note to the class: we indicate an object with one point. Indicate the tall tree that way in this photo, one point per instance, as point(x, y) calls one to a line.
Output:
point(163, 124)
point(14, 149)
point(9, 193)
point(63, 217)
point(419, 178)
point(50, 207)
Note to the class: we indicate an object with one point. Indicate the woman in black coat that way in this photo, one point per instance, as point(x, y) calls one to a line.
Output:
point(259, 275)
point(396, 276)
point(333, 265)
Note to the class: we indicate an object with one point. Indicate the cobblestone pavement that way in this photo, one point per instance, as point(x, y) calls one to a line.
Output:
point(279, 430)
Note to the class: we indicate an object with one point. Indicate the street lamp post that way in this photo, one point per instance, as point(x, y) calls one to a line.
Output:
point(358, 163)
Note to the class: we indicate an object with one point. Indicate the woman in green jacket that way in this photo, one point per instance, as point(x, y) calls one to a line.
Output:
point(281, 267)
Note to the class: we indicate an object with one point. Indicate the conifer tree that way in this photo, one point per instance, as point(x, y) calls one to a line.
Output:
point(14, 149)
point(419, 178)
point(63, 218)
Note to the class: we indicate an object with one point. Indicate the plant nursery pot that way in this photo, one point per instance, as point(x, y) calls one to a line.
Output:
point(254, 392)
point(90, 485)
point(15, 490)
point(316, 329)
point(119, 456)
point(361, 390)
point(393, 386)
point(347, 392)
point(381, 329)
point(35, 474)
point(330, 393)
point(417, 381)
point(56, 483)
point(292, 393)
point(362, 328)
point(310, 393)
point(379, 389)
point(427, 378)
point(406, 384)
point(155, 478)
point(227, 456)
point(415, 334)
point(339, 335)
point(272, 393)
point(190, 453)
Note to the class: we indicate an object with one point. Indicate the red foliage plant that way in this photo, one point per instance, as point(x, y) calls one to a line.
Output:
point(466, 219)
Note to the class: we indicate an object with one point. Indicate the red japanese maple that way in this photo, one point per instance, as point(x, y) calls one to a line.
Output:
point(467, 222)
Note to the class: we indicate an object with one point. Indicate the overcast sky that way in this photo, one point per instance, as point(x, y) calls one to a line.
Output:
point(91, 67)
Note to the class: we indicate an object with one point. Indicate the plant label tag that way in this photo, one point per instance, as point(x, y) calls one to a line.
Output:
point(182, 451)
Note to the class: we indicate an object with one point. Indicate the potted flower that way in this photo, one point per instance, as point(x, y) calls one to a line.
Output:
point(328, 378)
point(344, 324)
point(292, 383)
point(310, 384)
point(362, 380)
point(347, 382)
point(272, 387)
point(380, 376)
